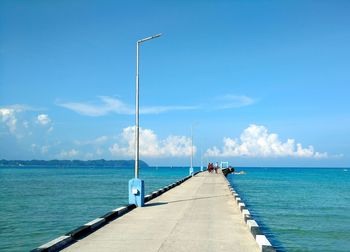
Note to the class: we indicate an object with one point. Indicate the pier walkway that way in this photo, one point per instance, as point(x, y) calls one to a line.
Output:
point(198, 215)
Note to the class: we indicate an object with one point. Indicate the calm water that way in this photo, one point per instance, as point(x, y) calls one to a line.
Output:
point(40, 204)
point(299, 209)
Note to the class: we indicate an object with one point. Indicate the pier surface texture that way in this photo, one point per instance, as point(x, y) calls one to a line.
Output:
point(199, 215)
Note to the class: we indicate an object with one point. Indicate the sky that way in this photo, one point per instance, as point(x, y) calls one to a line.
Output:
point(262, 83)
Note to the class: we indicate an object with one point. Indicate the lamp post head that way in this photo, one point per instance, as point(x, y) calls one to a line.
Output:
point(148, 38)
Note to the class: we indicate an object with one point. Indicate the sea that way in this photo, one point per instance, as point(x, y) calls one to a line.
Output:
point(299, 209)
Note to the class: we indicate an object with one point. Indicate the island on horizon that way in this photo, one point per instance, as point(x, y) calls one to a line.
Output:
point(74, 163)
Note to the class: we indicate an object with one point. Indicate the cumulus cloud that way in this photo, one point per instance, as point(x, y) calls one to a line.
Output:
point(150, 145)
point(256, 141)
point(8, 116)
point(16, 119)
point(43, 119)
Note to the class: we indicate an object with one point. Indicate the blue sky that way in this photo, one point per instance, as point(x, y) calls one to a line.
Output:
point(248, 75)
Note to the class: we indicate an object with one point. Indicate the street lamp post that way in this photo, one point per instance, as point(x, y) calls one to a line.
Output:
point(136, 185)
point(191, 168)
point(201, 159)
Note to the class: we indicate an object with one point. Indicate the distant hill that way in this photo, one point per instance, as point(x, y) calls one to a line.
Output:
point(74, 163)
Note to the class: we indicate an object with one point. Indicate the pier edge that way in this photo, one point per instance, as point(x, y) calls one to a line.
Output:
point(262, 241)
point(78, 233)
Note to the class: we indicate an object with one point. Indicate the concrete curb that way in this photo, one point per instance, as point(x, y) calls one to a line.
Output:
point(260, 238)
point(90, 227)
point(56, 244)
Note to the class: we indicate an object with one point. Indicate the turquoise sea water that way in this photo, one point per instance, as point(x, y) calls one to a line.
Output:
point(38, 204)
point(299, 209)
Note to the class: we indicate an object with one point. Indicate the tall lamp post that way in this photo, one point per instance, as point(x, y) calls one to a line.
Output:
point(136, 185)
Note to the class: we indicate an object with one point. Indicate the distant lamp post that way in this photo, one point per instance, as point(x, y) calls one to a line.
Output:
point(202, 169)
point(136, 185)
point(191, 167)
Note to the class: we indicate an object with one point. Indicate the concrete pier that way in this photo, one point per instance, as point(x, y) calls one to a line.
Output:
point(199, 215)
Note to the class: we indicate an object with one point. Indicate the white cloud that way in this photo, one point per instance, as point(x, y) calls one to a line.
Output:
point(150, 145)
point(43, 119)
point(16, 121)
point(113, 105)
point(233, 101)
point(8, 117)
point(109, 105)
point(68, 154)
point(256, 141)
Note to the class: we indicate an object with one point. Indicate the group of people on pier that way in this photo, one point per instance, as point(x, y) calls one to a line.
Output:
point(212, 167)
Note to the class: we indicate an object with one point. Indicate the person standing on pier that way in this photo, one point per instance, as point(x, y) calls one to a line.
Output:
point(210, 167)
